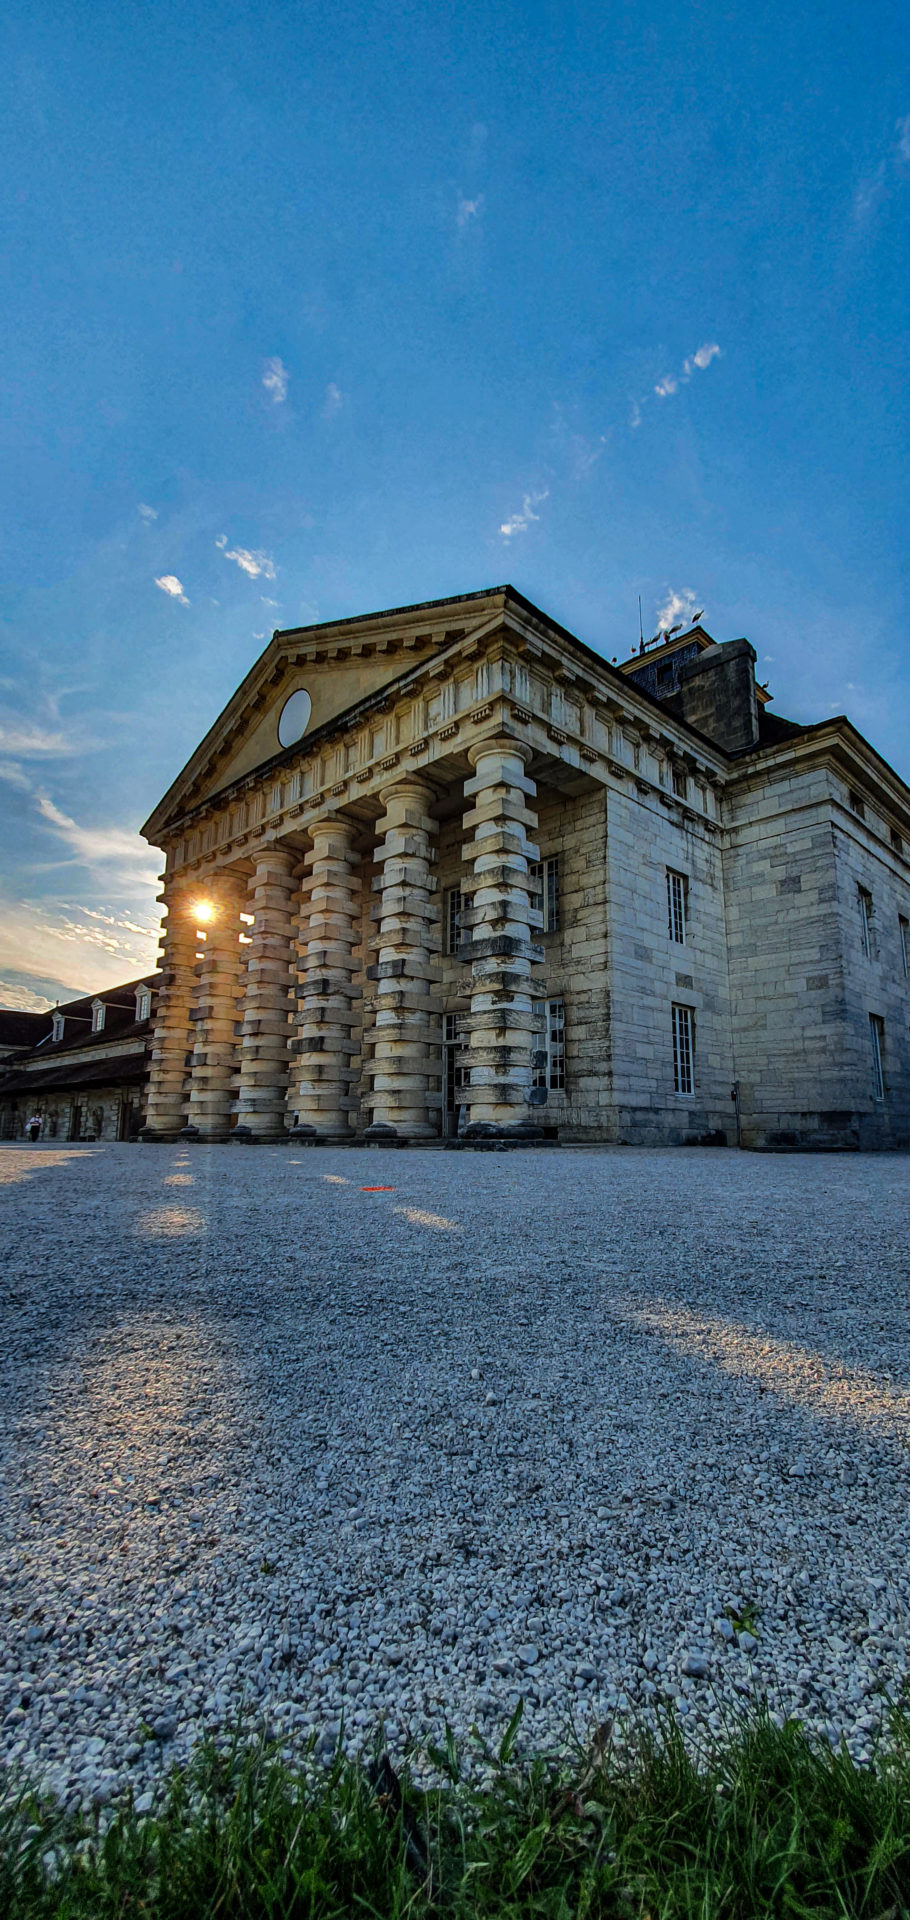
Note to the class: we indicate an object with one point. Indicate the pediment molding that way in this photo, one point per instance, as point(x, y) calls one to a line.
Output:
point(400, 639)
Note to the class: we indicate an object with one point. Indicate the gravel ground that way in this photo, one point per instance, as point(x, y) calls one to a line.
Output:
point(602, 1428)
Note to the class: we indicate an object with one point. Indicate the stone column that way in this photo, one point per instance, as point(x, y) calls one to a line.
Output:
point(406, 1040)
point(265, 1039)
point(215, 1051)
point(500, 919)
point(322, 1078)
point(166, 1110)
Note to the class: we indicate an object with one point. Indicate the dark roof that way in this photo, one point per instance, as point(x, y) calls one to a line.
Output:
point(19, 1029)
point(119, 1020)
point(114, 1072)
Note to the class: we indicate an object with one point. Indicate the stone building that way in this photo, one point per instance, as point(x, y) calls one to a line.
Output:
point(443, 872)
point(84, 1071)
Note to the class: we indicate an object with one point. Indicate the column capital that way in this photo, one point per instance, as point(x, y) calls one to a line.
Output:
point(334, 823)
point(410, 787)
point(500, 744)
point(280, 859)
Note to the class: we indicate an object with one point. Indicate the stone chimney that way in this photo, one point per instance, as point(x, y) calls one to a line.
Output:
point(717, 694)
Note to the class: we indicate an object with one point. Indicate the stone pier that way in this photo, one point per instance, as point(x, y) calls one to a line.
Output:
point(214, 1054)
point(266, 1034)
point(321, 1098)
point(167, 1101)
point(500, 920)
point(404, 1099)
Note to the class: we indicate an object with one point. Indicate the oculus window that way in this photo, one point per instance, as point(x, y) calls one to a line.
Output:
point(294, 718)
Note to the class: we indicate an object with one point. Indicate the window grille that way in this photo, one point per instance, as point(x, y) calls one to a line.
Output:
point(877, 1037)
point(453, 907)
point(683, 1048)
point(544, 891)
point(550, 1050)
point(677, 889)
point(98, 1019)
point(865, 920)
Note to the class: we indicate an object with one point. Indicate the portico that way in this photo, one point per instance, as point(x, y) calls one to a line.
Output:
point(304, 986)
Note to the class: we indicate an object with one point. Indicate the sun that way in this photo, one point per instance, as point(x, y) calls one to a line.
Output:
point(204, 911)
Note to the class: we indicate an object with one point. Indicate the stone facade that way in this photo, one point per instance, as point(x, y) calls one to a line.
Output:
point(498, 889)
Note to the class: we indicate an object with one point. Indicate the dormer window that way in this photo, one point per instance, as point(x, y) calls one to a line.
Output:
point(143, 1003)
point(59, 1025)
point(98, 1013)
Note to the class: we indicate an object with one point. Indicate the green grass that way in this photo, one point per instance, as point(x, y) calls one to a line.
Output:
point(769, 1823)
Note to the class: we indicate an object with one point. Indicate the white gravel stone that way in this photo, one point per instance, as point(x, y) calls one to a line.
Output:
point(539, 1423)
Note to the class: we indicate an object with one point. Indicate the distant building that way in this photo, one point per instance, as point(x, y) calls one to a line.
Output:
point(445, 872)
point(81, 1069)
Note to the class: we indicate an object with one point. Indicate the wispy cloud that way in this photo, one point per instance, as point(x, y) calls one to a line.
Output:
point(520, 522)
point(21, 999)
point(469, 210)
point(581, 451)
point(333, 402)
point(14, 776)
point(869, 195)
point(699, 360)
point(101, 846)
point(267, 602)
point(678, 608)
point(254, 564)
point(275, 379)
point(32, 743)
point(634, 415)
point(148, 514)
point(870, 192)
point(702, 357)
point(169, 583)
point(70, 945)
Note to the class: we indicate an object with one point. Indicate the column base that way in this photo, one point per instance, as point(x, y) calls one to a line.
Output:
point(313, 1137)
point(153, 1136)
point(196, 1136)
point(248, 1137)
point(383, 1134)
point(489, 1134)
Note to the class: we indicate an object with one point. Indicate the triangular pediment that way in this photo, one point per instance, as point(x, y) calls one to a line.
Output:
point(337, 665)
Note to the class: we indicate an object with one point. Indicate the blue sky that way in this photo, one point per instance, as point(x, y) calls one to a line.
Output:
point(310, 311)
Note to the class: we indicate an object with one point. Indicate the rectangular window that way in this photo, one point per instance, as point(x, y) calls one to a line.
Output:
point(865, 920)
point(680, 784)
point(877, 1037)
point(98, 1019)
point(544, 878)
point(549, 1069)
point(904, 927)
point(857, 804)
point(677, 892)
point(896, 841)
point(683, 1049)
point(453, 907)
